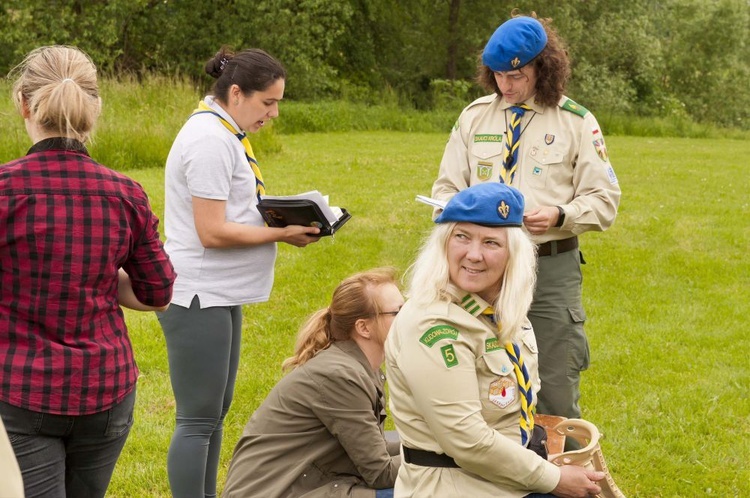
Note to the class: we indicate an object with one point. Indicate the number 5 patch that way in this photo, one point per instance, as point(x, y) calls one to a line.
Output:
point(449, 356)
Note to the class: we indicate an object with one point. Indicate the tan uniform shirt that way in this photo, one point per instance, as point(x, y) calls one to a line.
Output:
point(562, 161)
point(319, 433)
point(453, 390)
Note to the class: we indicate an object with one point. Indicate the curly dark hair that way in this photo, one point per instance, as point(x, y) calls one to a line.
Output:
point(552, 68)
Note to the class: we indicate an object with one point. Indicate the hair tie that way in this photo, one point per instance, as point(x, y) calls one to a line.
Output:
point(68, 79)
point(223, 63)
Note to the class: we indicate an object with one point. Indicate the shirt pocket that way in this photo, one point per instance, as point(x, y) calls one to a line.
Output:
point(498, 386)
point(486, 159)
point(543, 161)
point(530, 355)
point(529, 341)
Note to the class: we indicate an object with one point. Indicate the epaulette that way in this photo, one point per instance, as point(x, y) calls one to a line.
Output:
point(487, 99)
point(572, 106)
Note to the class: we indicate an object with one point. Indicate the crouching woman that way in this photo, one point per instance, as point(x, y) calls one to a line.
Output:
point(319, 433)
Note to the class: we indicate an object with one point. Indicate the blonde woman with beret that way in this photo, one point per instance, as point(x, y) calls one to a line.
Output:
point(462, 361)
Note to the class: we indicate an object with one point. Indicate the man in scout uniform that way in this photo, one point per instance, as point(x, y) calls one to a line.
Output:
point(529, 135)
point(461, 359)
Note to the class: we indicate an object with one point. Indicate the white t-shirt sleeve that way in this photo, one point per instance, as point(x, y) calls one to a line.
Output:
point(209, 166)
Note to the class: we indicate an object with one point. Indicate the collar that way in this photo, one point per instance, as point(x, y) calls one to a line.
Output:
point(537, 108)
point(58, 143)
point(470, 302)
point(350, 347)
point(211, 102)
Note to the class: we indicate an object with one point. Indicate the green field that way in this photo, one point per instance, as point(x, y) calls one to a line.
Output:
point(666, 291)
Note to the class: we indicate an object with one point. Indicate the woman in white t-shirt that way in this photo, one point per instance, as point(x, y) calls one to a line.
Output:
point(223, 253)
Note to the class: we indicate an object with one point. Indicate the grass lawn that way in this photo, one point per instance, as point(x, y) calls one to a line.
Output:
point(666, 291)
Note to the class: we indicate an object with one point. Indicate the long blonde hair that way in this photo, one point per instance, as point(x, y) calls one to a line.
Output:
point(429, 276)
point(353, 299)
point(58, 84)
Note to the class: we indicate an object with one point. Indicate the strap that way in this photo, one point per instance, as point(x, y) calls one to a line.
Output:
point(428, 458)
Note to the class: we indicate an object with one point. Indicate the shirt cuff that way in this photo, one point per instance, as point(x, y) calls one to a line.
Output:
point(549, 479)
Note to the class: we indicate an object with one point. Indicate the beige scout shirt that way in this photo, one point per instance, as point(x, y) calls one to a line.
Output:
point(453, 390)
point(319, 433)
point(562, 161)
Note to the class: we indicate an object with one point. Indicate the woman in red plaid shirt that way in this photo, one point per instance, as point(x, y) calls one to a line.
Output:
point(76, 240)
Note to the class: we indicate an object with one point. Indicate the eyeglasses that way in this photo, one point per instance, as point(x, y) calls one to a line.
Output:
point(392, 313)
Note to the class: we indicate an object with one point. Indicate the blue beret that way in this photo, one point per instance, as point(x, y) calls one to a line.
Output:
point(514, 44)
point(491, 204)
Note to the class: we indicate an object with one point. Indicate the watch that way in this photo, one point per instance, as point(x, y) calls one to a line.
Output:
point(560, 218)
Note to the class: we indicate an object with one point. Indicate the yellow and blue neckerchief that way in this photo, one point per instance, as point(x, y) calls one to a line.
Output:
point(526, 421)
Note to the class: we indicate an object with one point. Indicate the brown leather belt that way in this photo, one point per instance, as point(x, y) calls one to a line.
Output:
point(425, 458)
point(557, 246)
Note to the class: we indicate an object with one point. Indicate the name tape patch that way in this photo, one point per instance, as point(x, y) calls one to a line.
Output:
point(438, 333)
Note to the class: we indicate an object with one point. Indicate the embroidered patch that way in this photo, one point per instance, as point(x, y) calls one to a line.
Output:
point(492, 345)
point(548, 139)
point(438, 333)
point(534, 150)
point(611, 175)
point(484, 170)
point(469, 304)
point(601, 149)
point(536, 171)
point(503, 392)
point(487, 138)
point(449, 356)
point(503, 210)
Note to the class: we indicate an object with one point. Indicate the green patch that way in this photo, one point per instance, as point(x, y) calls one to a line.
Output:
point(484, 170)
point(449, 356)
point(572, 106)
point(492, 345)
point(487, 138)
point(469, 304)
point(438, 333)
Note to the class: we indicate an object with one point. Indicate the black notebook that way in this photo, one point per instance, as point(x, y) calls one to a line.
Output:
point(308, 209)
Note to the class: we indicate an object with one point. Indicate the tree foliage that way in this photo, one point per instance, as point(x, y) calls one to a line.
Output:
point(686, 57)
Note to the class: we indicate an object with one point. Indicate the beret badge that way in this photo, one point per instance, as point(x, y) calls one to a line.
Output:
point(503, 209)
